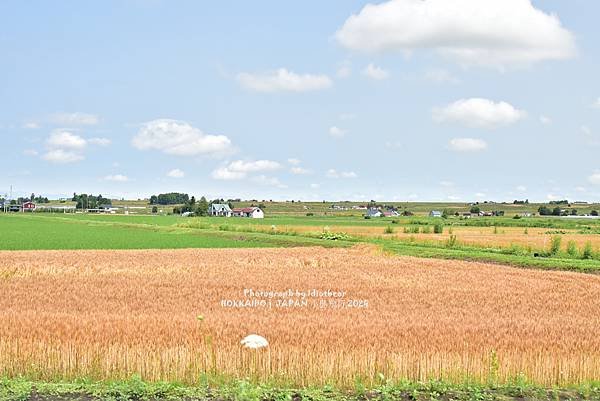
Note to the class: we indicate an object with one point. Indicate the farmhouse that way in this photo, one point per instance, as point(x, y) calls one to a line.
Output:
point(391, 213)
point(252, 212)
point(373, 212)
point(435, 213)
point(220, 209)
point(28, 207)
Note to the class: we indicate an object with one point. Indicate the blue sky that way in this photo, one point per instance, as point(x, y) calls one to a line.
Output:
point(399, 100)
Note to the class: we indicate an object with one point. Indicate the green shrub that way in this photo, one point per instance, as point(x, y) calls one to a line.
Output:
point(426, 230)
point(438, 228)
point(334, 236)
point(572, 249)
point(588, 252)
point(555, 245)
point(388, 230)
point(451, 242)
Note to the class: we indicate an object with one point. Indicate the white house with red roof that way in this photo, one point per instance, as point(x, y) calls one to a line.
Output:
point(251, 212)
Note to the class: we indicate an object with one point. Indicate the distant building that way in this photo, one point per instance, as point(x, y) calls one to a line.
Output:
point(220, 209)
point(435, 213)
point(28, 207)
point(373, 212)
point(391, 213)
point(251, 212)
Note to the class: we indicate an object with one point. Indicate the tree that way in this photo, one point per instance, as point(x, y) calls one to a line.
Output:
point(475, 209)
point(202, 207)
point(594, 213)
point(154, 209)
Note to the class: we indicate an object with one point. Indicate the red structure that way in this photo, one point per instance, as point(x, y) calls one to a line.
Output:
point(28, 207)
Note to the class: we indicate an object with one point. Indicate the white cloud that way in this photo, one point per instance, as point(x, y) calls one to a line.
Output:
point(480, 195)
point(596, 104)
point(30, 152)
point(176, 173)
point(293, 161)
point(315, 186)
point(65, 140)
point(74, 119)
point(580, 189)
point(62, 156)
point(299, 170)
point(100, 141)
point(479, 113)
point(239, 169)
point(283, 80)
point(179, 138)
point(595, 178)
point(374, 72)
point(332, 173)
point(441, 76)
point(545, 120)
point(337, 132)
point(490, 33)
point(116, 178)
point(454, 198)
point(467, 144)
point(521, 188)
point(446, 184)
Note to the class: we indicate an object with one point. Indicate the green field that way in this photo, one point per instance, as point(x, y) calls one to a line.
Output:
point(35, 231)
point(99, 231)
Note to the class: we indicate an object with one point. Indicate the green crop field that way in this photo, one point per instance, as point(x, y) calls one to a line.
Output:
point(31, 232)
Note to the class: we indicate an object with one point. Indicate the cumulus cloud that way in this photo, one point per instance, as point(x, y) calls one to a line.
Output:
point(293, 161)
point(283, 80)
point(176, 173)
point(337, 132)
point(479, 113)
point(116, 178)
point(493, 33)
point(595, 178)
point(374, 72)
point(545, 120)
point(239, 169)
point(467, 144)
point(64, 146)
point(66, 140)
point(332, 173)
point(74, 119)
point(344, 70)
point(179, 138)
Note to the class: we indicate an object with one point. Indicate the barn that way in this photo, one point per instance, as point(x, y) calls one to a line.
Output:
point(251, 212)
point(28, 207)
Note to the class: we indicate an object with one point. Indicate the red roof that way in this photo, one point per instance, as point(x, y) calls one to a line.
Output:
point(244, 209)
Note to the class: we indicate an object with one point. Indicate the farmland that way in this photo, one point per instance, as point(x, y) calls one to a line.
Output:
point(105, 298)
point(109, 314)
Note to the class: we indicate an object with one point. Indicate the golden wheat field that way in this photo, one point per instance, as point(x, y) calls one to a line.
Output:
point(110, 314)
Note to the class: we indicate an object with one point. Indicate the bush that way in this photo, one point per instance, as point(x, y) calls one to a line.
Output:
point(451, 242)
point(388, 230)
point(587, 253)
point(310, 214)
point(555, 245)
point(438, 228)
point(426, 230)
point(572, 249)
point(516, 217)
point(334, 236)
